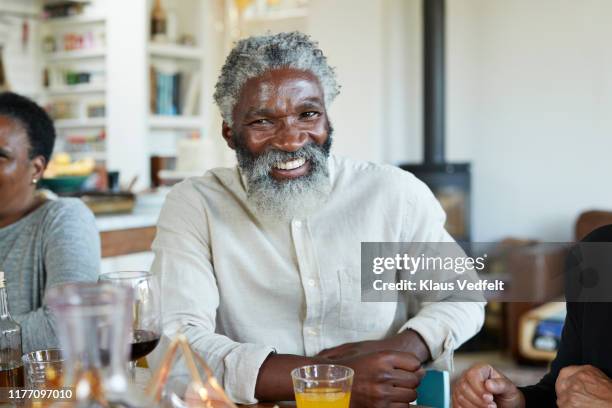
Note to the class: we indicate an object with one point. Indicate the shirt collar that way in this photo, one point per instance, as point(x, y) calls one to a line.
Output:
point(243, 179)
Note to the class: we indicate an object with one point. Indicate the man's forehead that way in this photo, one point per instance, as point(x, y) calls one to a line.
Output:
point(287, 79)
point(280, 87)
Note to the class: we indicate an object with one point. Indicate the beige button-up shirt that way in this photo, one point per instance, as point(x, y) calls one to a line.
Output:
point(240, 288)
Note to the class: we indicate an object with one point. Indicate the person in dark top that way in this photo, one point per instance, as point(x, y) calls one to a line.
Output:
point(581, 374)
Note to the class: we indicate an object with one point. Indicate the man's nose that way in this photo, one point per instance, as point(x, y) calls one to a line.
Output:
point(289, 137)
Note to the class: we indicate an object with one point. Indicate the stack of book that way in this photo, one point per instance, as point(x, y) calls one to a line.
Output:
point(174, 92)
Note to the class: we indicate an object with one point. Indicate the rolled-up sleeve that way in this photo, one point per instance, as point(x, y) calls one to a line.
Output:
point(443, 320)
point(444, 326)
point(190, 296)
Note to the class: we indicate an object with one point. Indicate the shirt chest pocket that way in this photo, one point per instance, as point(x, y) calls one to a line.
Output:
point(362, 316)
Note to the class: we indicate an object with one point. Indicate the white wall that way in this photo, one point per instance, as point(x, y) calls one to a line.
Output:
point(351, 34)
point(403, 84)
point(530, 96)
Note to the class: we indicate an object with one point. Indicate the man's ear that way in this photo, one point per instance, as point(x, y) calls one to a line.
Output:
point(227, 133)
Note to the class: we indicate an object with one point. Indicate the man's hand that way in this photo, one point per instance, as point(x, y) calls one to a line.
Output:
point(583, 386)
point(384, 379)
point(407, 341)
point(484, 387)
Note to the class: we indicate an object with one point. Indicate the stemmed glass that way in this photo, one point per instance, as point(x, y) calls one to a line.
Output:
point(146, 310)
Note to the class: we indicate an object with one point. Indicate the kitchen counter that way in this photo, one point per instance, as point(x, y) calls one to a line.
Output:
point(124, 234)
point(136, 219)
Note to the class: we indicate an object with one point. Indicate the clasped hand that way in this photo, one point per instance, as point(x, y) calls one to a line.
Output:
point(385, 377)
point(482, 386)
point(583, 386)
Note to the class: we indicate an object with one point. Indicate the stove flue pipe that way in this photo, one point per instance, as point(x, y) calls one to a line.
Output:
point(434, 79)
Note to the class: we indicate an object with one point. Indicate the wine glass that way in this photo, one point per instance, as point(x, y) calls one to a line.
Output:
point(146, 310)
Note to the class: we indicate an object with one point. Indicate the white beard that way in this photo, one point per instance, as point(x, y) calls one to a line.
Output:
point(289, 199)
point(286, 199)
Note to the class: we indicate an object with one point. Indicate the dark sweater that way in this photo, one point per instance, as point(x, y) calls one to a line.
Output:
point(586, 339)
point(587, 333)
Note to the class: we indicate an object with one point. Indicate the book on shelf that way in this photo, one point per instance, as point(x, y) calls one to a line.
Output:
point(63, 78)
point(172, 91)
point(191, 94)
point(76, 40)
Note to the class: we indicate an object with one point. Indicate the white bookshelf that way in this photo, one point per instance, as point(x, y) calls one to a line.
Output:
point(177, 122)
point(76, 89)
point(176, 51)
point(61, 62)
point(63, 22)
point(132, 126)
point(188, 60)
point(129, 133)
point(64, 124)
point(61, 56)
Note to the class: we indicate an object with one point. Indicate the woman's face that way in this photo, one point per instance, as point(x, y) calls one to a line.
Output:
point(17, 170)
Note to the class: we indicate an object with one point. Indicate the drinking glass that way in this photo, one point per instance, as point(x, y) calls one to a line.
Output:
point(94, 330)
point(322, 386)
point(146, 310)
point(43, 369)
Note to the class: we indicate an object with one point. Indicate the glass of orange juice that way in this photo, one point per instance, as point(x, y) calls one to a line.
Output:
point(322, 386)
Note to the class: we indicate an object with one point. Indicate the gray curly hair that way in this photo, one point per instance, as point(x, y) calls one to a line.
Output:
point(253, 56)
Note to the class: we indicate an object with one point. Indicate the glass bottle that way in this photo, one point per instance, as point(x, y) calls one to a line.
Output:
point(11, 365)
point(94, 329)
point(158, 22)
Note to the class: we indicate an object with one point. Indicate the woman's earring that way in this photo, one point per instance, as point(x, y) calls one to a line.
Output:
point(34, 180)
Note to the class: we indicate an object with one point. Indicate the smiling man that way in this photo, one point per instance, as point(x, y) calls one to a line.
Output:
point(260, 264)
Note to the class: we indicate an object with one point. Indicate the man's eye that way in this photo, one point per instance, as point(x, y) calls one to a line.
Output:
point(309, 114)
point(261, 122)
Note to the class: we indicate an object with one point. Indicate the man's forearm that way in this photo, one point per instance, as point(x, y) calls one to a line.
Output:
point(274, 379)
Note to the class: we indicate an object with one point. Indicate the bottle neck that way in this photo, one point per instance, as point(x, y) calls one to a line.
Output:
point(4, 310)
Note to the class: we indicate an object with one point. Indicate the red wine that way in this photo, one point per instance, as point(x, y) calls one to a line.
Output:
point(143, 343)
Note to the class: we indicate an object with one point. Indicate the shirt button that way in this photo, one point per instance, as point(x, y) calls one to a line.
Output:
point(313, 332)
point(312, 283)
point(297, 223)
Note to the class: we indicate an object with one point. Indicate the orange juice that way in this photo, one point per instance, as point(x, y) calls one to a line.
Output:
point(323, 398)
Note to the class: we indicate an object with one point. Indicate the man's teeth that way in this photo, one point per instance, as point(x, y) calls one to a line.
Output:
point(290, 165)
